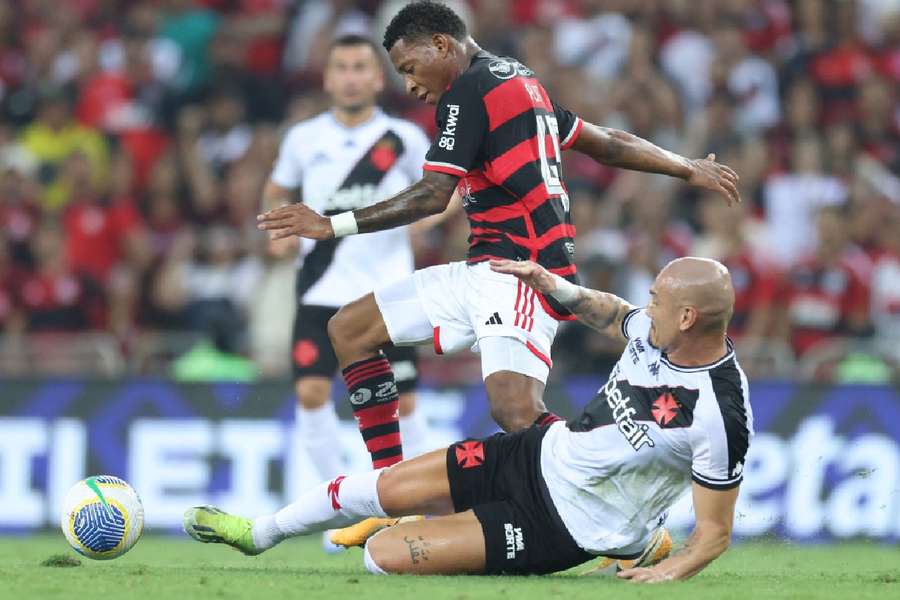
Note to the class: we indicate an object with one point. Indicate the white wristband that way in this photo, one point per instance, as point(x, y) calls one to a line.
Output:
point(566, 292)
point(344, 224)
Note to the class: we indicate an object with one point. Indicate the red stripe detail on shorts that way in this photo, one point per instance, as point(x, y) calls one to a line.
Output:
point(523, 309)
point(531, 311)
point(518, 296)
point(544, 358)
point(437, 340)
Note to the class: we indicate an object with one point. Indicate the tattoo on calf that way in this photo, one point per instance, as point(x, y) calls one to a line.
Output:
point(418, 548)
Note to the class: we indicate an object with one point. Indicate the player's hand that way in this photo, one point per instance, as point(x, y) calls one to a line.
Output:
point(295, 219)
point(531, 274)
point(644, 575)
point(707, 173)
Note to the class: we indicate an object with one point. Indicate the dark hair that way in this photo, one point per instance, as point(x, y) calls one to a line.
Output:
point(423, 18)
point(352, 39)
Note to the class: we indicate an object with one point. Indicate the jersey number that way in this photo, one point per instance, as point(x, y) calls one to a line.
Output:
point(547, 125)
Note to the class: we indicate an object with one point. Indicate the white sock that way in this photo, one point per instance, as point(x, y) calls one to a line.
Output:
point(318, 434)
point(414, 433)
point(337, 503)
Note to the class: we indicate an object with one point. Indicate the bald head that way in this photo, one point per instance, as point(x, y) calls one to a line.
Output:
point(703, 284)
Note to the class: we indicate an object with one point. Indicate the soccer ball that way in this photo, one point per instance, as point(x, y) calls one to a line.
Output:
point(102, 517)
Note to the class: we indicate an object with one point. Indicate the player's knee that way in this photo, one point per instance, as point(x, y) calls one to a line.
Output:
point(380, 555)
point(390, 491)
point(513, 405)
point(369, 561)
point(338, 329)
point(352, 328)
point(511, 418)
point(313, 392)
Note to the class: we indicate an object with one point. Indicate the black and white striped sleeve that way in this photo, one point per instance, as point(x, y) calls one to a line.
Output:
point(723, 426)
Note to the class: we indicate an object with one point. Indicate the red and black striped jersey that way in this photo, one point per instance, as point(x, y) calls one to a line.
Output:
point(500, 132)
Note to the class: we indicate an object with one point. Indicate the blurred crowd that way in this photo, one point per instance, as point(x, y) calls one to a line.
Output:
point(135, 138)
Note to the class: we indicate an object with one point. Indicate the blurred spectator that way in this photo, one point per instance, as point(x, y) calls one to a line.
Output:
point(11, 315)
point(886, 286)
point(749, 79)
point(314, 25)
point(190, 28)
point(225, 136)
point(19, 196)
point(52, 137)
point(827, 293)
point(212, 282)
point(595, 41)
point(102, 231)
point(792, 199)
point(53, 296)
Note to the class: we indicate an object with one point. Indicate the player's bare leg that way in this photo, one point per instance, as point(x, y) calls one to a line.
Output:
point(516, 400)
point(358, 331)
point(357, 334)
point(313, 392)
point(448, 545)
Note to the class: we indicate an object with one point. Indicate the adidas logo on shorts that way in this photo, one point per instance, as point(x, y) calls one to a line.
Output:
point(494, 320)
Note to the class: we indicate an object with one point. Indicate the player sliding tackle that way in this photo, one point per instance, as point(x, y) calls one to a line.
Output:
point(674, 413)
point(499, 144)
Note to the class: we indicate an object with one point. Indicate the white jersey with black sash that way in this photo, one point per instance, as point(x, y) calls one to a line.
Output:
point(339, 168)
point(654, 427)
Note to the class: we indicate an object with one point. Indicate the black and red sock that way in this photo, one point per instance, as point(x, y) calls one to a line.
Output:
point(376, 407)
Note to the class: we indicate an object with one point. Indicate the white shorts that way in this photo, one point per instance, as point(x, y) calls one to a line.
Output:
point(457, 305)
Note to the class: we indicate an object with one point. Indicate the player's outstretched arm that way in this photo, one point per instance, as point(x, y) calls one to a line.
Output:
point(622, 149)
point(428, 196)
point(711, 537)
point(598, 310)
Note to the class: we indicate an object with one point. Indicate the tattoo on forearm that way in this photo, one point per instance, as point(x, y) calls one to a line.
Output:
point(425, 197)
point(622, 149)
point(598, 310)
point(418, 548)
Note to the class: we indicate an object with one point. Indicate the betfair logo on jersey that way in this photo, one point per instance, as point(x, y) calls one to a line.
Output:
point(448, 135)
point(623, 415)
point(515, 540)
point(628, 406)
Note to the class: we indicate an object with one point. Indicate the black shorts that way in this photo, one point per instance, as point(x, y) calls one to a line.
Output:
point(312, 353)
point(500, 479)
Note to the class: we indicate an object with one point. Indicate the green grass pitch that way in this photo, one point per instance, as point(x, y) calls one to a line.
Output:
point(173, 567)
